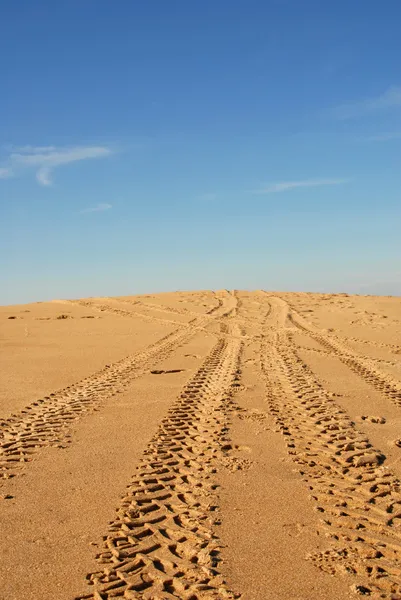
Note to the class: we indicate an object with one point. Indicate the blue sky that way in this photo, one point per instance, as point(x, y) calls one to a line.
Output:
point(154, 146)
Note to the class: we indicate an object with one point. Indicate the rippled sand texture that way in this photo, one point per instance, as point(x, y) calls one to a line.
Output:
point(201, 445)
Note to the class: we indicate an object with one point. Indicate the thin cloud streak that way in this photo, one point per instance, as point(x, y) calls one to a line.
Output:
point(389, 99)
point(55, 157)
point(384, 137)
point(33, 149)
point(285, 186)
point(47, 158)
point(98, 208)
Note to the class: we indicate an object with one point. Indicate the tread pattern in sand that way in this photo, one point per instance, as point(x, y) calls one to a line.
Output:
point(47, 421)
point(362, 366)
point(225, 304)
point(394, 348)
point(164, 308)
point(358, 498)
point(323, 352)
point(109, 308)
point(161, 544)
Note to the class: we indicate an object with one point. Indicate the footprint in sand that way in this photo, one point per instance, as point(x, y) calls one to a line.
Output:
point(377, 420)
point(165, 372)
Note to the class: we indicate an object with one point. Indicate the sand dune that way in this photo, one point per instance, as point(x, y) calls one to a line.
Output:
point(201, 445)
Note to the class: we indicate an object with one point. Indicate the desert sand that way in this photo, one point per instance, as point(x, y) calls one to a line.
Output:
point(201, 445)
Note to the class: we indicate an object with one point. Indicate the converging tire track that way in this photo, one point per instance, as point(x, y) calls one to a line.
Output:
point(358, 498)
point(323, 352)
point(106, 308)
point(198, 321)
point(386, 384)
point(161, 545)
point(47, 421)
point(162, 308)
point(393, 348)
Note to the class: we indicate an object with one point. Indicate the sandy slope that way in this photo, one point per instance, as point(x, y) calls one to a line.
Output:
point(201, 445)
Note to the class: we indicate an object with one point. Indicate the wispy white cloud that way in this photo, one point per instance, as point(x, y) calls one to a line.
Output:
point(34, 149)
point(389, 99)
point(53, 157)
point(43, 176)
point(384, 137)
point(46, 158)
point(98, 208)
point(285, 186)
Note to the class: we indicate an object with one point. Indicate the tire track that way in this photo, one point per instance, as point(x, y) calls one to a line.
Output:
point(161, 544)
point(384, 383)
point(394, 348)
point(162, 308)
point(203, 319)
point(358, 498)
point(106, 308)
point(320, 351)
point(48, 421)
